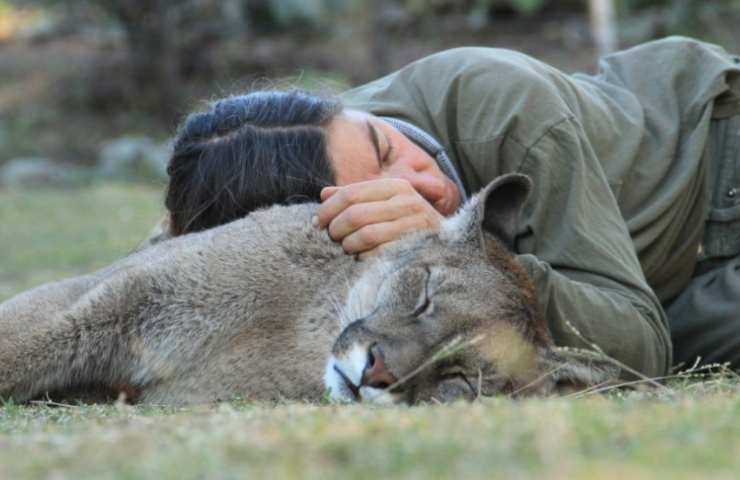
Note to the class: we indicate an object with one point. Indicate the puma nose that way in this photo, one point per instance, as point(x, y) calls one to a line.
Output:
point(376, 373)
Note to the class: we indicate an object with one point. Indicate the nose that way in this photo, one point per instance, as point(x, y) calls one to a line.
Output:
point(376, 373)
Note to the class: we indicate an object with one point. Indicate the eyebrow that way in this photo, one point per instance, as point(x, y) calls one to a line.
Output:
point(374, 141)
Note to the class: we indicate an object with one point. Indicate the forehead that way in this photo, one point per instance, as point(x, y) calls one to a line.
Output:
point(427, 249)
point(350, 147)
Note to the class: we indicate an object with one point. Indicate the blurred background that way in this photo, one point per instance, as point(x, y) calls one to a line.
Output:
point(91, 90)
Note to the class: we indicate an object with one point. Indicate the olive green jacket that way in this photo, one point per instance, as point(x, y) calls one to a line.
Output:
point(619, 165)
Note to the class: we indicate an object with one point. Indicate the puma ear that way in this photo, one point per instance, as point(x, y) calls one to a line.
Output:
point(502, 202)
point(495, 209)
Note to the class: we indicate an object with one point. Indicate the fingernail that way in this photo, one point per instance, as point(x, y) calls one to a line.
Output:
point(315, 220)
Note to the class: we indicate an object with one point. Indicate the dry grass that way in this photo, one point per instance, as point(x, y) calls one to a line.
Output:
point(695, 435)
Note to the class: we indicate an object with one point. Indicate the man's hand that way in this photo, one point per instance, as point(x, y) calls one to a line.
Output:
point(363, 216)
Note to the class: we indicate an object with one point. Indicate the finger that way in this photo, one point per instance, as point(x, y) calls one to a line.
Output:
point(439, 191)
point(369, 191)
point(327, 192)
point(376, 234)
point(359, 215)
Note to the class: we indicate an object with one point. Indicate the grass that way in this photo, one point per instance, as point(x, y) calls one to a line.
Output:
point(49, 234)
point(694, 436)
point(694, 433)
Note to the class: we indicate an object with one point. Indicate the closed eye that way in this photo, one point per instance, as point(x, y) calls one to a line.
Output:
point(375, 135)
point(460, 376)
point(388, 152)
point(424, 306)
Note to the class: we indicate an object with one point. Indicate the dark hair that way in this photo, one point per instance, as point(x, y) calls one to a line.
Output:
point(247, 152)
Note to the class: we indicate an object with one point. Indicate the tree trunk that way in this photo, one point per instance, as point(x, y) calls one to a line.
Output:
point(153, 59)
point(603, 25)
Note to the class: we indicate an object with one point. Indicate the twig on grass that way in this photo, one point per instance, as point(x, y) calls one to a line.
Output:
point(695, 371)
point(51, 403)
point(452, 347)
point(536, 380)
point(614, 361)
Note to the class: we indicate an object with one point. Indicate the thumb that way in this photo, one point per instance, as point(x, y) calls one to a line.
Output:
point(439, 191)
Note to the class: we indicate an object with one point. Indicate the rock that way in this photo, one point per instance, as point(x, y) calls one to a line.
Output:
point(35, 172)
point(134, 158)
point(40, 29)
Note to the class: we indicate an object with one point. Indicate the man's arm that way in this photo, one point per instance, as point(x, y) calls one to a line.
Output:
point(628, 327)
point(580, 255)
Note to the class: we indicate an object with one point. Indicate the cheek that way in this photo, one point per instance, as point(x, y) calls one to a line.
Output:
point(359, 170)
point(415, 159)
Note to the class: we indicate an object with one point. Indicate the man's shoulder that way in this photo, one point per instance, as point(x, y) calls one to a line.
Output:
point(480, 60)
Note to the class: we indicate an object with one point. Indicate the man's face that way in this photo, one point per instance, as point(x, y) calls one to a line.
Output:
point(363, 147)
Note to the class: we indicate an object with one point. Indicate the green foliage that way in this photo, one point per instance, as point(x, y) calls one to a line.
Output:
point(641, 4)
point(678, 8)
point(684, 16)
point(527, 6)
point(311, 12)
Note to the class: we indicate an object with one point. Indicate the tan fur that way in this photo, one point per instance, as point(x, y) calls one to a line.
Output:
point(254, 309)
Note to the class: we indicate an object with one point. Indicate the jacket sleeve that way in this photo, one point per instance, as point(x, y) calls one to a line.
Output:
point(577, 248)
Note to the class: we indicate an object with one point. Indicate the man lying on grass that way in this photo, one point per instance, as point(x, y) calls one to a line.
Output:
point(633, 228)
point(633, 224)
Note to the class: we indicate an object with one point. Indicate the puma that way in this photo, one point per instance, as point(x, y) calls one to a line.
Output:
point(268, 307)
